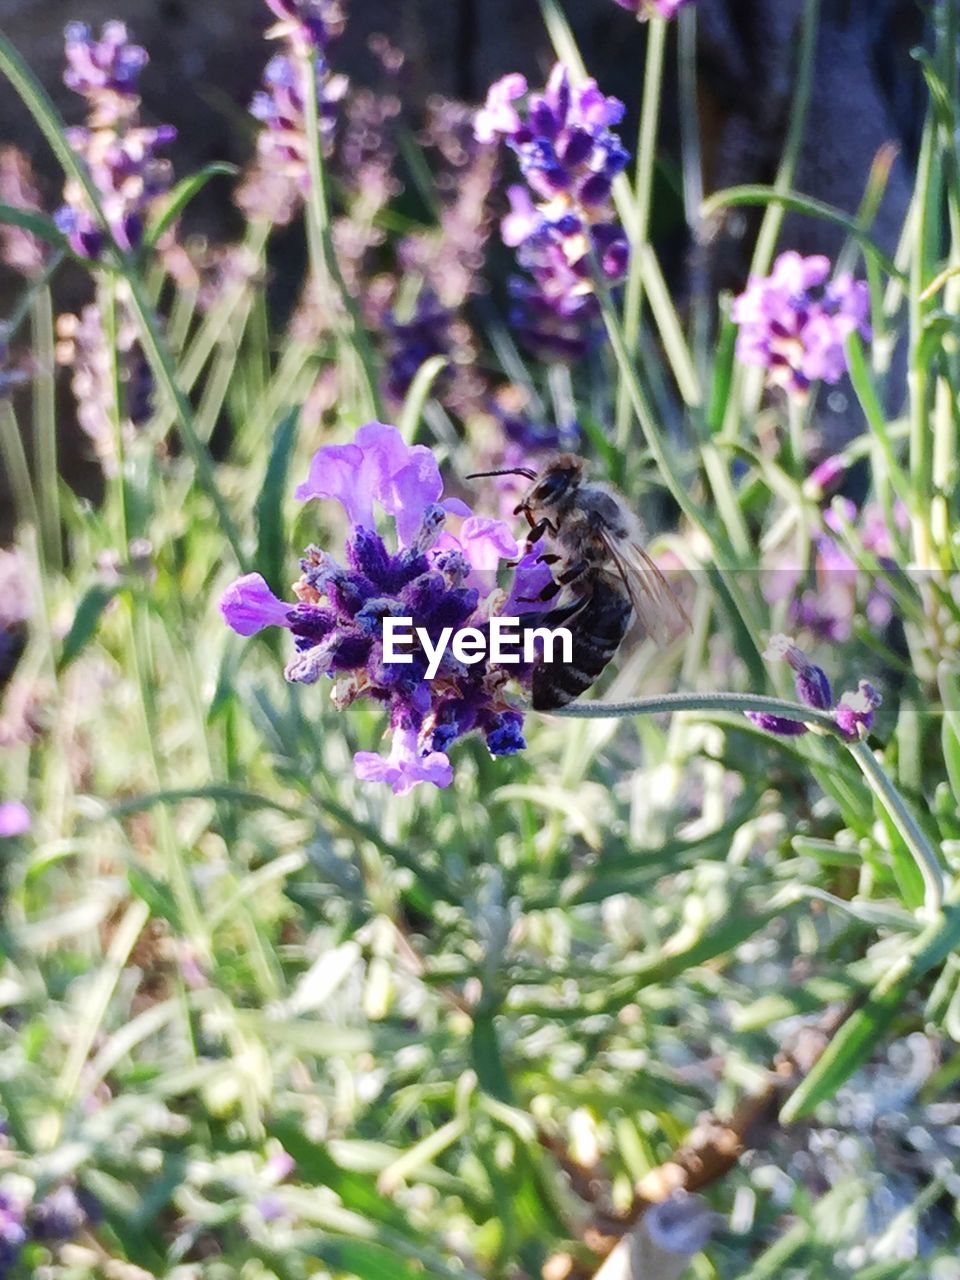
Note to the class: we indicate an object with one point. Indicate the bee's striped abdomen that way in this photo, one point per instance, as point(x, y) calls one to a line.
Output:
point(597, 630)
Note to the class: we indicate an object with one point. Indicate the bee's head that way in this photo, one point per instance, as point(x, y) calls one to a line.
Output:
point(559, 478)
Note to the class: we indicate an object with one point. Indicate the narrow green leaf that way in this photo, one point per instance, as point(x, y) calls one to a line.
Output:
point(862, 1032)
point(85, 623)
point(272, 542)
point(418, 395)
point(36, 223)
point(180, 197)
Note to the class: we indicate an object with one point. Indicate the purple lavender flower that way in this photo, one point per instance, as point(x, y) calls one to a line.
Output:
point(854, 712)
point(337, 622)
point(275, 189)
point(309, 23)
point(829, 610)
point(409, 343)
point(566, 230)
point(58, 1217)
point(653, 8)
point(82, 345)
point(121, 155)
point(106, 71)
point(794, 323)
point(19, 249)
point(13, 1234)
point(14, 821)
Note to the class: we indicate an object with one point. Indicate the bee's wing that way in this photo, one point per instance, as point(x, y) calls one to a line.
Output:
point(658, 610)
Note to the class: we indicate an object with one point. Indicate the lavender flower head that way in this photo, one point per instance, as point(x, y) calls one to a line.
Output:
point(13, 1233)
point(653, 8)
point(794, 322)
point(279, 181)
point(854, 712)
point(120, 154)
point(308, 23)
point(562, 224)
point(433, 577)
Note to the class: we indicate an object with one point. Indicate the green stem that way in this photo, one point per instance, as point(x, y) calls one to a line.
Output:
point(913, 837)
point(639, 226)
point(783, 182)
point(164, 370)
point(45, 427)
point(325, 264)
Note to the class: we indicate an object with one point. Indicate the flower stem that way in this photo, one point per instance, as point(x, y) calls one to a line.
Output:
point(324, 261)
point(920, 848)
point(639, 224)
point(913, 837)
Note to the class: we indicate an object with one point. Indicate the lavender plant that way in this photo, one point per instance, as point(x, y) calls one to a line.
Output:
point(666, 982)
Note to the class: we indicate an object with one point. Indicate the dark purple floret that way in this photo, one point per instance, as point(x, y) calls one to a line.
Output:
point(569, 157)
point(779, 725)
point(13, 1233)
point(58, 1217)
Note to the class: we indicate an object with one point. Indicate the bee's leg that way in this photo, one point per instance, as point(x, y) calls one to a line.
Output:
point(548, 557)
point(533, 537)
point(553, 588)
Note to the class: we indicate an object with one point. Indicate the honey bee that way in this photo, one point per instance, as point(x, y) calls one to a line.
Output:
point(602, 578)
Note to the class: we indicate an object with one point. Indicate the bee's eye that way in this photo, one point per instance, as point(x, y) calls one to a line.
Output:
point(551, 487)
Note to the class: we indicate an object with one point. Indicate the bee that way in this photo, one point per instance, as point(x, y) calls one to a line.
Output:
point(601, 576)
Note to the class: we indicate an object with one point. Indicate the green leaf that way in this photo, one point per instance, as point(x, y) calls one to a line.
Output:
point(271, 531)
point(180, 197)
point(365, 1261)
point(948, 682)
point(418, 395)
point(36, 223)
point(863, 1030)
point(85, 623)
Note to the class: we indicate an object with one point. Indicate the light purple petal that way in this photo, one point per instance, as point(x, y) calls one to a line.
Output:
point(522, 220)
point(248, 605)
point(338, 471)
point(408, 492)
point(485, 542)
point(405, 767)
point(14, 819)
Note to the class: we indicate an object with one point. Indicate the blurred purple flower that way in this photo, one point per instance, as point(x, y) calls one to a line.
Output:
point(280, 180)
point(566, 229)
point(13, 1233)
point(311, 23)
point(654, 8)
point(498, 116)
point(82, 346)
point(58, 1217)
point(14, 819)
point(409, 343)
point(106, 71)
point(337, 621)
point(794, 323)
point(20, 249)
point(120, 155)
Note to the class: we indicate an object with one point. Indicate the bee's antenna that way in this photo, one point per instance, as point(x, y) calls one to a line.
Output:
point(507, 471)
